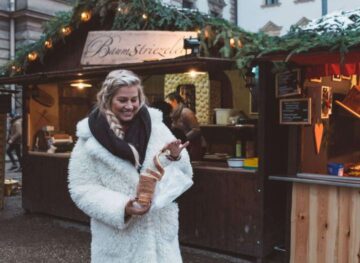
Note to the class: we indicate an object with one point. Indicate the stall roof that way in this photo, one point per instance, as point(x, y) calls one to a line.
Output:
point(327, 45)
point(176, 65)
point(60, 46)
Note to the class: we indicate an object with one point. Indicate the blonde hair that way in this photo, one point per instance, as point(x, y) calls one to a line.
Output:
point(114, 81)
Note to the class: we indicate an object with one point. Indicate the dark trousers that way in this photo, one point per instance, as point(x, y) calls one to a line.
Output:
point(14, 147)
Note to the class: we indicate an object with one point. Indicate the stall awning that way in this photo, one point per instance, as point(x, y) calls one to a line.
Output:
point(333, 69)
point(323, 63)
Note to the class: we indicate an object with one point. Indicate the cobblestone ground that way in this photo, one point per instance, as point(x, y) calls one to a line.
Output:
point(28, 238)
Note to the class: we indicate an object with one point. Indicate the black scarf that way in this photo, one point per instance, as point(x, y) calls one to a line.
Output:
point(138, 134)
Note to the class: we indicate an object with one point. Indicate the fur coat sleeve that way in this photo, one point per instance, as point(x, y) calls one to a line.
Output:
point(87, 191)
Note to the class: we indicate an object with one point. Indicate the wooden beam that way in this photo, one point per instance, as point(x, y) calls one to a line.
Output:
point(150, 67)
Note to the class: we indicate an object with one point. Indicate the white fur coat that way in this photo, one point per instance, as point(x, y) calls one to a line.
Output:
point(101, 184)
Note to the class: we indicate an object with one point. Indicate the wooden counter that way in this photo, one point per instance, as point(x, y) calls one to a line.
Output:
point(45, 186)
point(227, 210)
point(325, 218)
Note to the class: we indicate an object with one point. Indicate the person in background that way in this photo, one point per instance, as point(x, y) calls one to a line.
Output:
point(14, 142)
point(117, 143)
point(166, 109)
point(184, 120)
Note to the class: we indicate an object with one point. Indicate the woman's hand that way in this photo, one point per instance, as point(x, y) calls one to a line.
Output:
point(175, 148)
point(136, 209)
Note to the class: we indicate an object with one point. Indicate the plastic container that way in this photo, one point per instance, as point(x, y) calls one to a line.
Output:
point(336, 169)
point(235, 162)
point(238, 151)
point(222, 115)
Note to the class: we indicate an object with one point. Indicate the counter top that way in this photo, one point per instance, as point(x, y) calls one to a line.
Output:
point(52, 155)
point(220, 168)
point(321, 179)
point(230, 126)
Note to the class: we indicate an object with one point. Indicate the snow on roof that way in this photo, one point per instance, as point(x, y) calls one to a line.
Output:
point(335, 22)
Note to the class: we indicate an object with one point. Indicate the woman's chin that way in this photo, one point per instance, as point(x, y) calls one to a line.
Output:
point(126, 118)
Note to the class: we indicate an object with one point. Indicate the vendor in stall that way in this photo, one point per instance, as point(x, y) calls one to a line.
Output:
point(185, 121)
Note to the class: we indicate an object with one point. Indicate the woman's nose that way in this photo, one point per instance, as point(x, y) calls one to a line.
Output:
point(129, 105)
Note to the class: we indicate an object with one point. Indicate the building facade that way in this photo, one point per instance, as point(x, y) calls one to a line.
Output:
point(276, 16)
point(220, 8)
point(21, 22)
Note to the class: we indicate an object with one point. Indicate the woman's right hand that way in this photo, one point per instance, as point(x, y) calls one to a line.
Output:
point(131, 209)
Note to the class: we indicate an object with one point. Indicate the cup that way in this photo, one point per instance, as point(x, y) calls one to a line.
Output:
point(335, 169)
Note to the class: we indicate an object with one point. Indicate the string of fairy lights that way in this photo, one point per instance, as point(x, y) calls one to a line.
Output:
point(85, 16)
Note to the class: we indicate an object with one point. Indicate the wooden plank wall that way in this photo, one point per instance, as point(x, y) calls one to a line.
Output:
point(2, 156)
point(325, 224)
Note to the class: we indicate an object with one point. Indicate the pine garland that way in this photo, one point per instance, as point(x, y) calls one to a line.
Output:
point(218, 37)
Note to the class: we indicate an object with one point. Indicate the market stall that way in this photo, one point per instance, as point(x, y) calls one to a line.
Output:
point(231, 210)
point(318, 98)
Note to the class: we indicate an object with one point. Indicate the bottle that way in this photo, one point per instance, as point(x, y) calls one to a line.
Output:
point(238, 148)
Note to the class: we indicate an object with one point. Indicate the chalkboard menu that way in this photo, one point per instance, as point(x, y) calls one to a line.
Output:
point(295, 111)
point(288, 83)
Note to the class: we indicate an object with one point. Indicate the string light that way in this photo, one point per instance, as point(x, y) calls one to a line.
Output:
point(66, 30)
point(85, 16)
point(48, 43)
point(32, 56)
point(144, 16)
point(232, 42)
point(123, 9)
point(15, 68)
point(206, 33)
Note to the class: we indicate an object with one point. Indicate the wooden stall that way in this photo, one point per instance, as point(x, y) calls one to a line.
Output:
point(324, 203)
point(230, 210)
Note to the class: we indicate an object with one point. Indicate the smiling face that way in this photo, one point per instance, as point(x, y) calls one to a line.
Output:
point(125, 103)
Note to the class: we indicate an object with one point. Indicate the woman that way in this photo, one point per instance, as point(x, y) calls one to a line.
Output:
point(117, 142)
point(184, 120)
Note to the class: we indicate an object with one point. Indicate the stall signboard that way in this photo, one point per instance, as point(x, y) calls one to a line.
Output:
point(295, 111)
point(5, 103)
point(288, 83)
point(118, 47)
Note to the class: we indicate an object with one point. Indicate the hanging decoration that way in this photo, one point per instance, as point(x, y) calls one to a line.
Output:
point(66, 30)
point(85, 16)
point(48, 44)
point(318, 135)
point(33, 56)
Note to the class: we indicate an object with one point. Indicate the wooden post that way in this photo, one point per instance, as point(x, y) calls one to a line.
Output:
point(2, 156)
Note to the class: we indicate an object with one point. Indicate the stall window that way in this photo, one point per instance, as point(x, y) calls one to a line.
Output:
point(271, 2)
point(331, 144)
point(188, 4)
